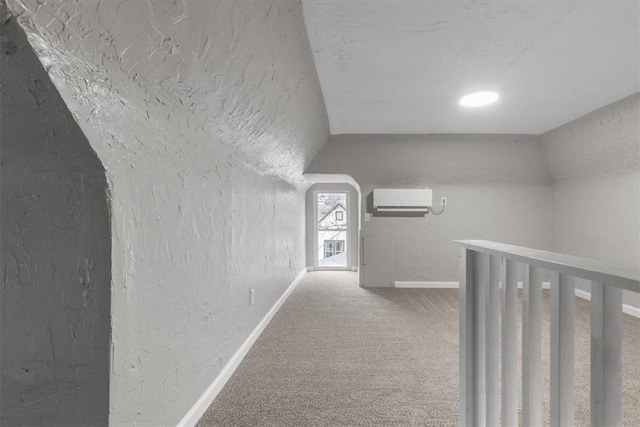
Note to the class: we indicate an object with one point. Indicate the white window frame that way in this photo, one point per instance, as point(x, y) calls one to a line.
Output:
point(334, 247)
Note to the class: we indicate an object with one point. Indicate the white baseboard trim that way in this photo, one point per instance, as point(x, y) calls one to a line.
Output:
point(545, 285)
point(446, 285)
point(429, 285)
point(583, 294)
point(310, 268)
point(626, 308)
point(197, 410)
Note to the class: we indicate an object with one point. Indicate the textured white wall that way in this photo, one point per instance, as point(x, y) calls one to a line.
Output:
point(497, 188)
point(55, 252)
point(595, 163)
point(204, 115)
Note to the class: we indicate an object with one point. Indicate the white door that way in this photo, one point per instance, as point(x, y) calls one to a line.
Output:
point(332, 233)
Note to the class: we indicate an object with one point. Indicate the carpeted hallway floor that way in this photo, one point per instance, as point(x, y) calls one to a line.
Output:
point(340, 355)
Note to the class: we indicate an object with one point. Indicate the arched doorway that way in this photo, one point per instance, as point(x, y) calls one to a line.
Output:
point(333, 223)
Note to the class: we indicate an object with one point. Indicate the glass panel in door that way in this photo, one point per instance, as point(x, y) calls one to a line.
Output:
point(331, 229)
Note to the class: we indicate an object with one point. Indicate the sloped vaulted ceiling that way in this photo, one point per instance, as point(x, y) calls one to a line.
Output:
point(400, 66)
point(235, 72)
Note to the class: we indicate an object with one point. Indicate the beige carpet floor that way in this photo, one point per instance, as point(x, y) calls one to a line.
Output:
point(340, 355)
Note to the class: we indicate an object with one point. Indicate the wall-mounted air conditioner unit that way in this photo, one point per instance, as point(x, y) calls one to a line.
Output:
point(402, 199)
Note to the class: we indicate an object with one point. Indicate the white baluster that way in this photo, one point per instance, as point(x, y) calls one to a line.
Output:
point(477, 339)
point(509, 323)
point(563, 326)
point(606, 355)
point(532, 348)
point(481, 276)
point(466, 349)
point(492, 357)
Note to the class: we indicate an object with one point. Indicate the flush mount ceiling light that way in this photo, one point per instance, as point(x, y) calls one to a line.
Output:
point(479, 99)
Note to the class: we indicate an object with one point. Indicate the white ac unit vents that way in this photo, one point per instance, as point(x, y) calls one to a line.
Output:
point(402, 199)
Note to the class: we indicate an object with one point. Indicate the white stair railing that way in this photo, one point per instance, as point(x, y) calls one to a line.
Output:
point(488, 324)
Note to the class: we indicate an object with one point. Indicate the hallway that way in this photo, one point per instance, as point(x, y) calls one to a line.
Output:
point(337, 354)
point(158, 165)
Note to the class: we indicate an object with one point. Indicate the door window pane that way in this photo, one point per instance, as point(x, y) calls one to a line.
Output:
point(331, 229)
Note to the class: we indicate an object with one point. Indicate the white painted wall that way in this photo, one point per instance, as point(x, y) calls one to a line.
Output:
point(595, 163)
point(55, 242)
point(576, 191)
point(204, 124)
point(497, 187)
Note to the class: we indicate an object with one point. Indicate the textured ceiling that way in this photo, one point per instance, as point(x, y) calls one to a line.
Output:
point(401, 66)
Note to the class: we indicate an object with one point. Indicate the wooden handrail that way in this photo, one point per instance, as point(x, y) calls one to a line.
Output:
point(586, 268)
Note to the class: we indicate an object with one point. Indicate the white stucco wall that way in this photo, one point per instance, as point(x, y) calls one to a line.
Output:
point(595, 163)
point(204, 115)
point(497, 188)
point(55, 247)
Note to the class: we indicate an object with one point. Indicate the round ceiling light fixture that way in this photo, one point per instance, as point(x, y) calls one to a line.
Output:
point(479, 99)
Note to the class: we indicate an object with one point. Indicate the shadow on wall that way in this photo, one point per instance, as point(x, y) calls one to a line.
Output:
point(56, 252)
point(399, 214)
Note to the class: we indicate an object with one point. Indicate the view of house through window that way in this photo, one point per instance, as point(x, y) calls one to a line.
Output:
point(332, 229)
